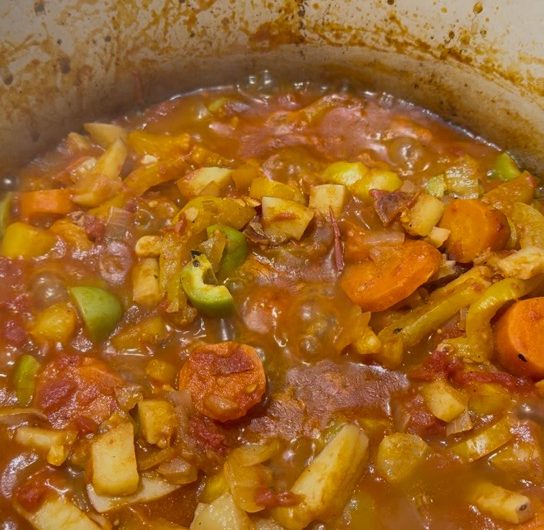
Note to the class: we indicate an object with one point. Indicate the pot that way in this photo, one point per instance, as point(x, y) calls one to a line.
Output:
point(479, 64)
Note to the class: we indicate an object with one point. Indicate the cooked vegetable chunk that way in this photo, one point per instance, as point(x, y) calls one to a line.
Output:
point(393, 276)
point(474, 228)
point(285, 219)
point(220, 514)
point(225, 380)
point(24, 378)
point(328, 198)
point(516, 338)
point(501, 503)
point(25, 241)
point(56, 323)
point(113, 462)
point(325, 484)
point(399, 455)
point(204, 180)
point(444, 401)
point(157, 421)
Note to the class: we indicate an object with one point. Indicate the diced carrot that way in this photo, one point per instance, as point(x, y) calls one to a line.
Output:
point(519, 338)
point(394, 275)
point(474, 227)
point(44, 202)
point(225, 380)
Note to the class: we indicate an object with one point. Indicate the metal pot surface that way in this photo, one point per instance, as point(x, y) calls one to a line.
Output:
point(480, 64)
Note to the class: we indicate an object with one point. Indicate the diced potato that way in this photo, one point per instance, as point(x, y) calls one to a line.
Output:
point(56, 444)
point(501, 503)
point(178, 471)
point(244, 482)
point(113, 462)
point(326, 483)
point(284, 219)
point(157, 421)
point(57, 513)
point(220, 515)
point(151, 488)
point(243, 175)
point(22, 240)
point(73, 234)
point(376, 179)
point(438, 236)
point(161, 371)
point(197, 181)
point(487, 398)
point(267, 524)
point(148, 246)
point(146, 289)
point(263, 187)
point(328, 197)
point(151, 330)
point(423, 216)
point(462, 178)
point(105, 134)
point(484, 441)
point(345, 173)
point(399, 455)
point(444, 401)
point(56, 323)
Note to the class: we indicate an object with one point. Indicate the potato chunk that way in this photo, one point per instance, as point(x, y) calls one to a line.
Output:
point(113, 462)
point(284, 219)
point(328, 197)
point(221, 514)
point(501, 503)
point(325, 484)
point(157, 421)
point(444, 401)
point(399, 455)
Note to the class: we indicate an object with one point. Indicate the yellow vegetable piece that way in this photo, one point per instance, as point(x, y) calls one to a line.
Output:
point(423, 216)
point(328, 197)
point(284, 219)
point(199, 180)
point(221, 514)
point(399, 455)
point(161, 371)
point(214, 487)
point(22, 240)
point(376, 179)
point(56, 444)
point(264, 187)
point(484, 441)
point(444, 401)
point(327, 482)
point(113, 462)
point(73, 234)
point(151, 330)
point(501, 503)
point(157, 421)
point(105, 134)
point(345, 173)
point(145, 283)
point(56, 323)
point(529, 223)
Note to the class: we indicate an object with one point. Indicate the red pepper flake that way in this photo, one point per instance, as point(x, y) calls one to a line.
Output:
point(338, 247)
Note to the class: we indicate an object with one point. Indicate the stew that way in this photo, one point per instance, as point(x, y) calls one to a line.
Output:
point(277, 307)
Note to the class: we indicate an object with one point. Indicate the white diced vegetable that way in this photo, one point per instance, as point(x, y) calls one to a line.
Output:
point(501, 503)
point(328, 197)
point(284, 219)
point(157, 421)
point(423, 216)
point(345, 173)
point(203, 179)
point(56, 513)
point(399, 455)
point(327, 482)
point(444, 401)
point(145, 283)
point(56, 444)
point(263, 187)
point(484, 441)
point(220, 515)
point(113, 462)
point(148, 246)
point(151, 488)
point(438, 236)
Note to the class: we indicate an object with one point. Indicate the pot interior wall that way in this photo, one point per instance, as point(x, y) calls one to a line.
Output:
point(479, 64)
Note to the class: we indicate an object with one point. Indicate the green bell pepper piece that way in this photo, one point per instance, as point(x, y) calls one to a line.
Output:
point(505, 168)
point(235, 251)
point(100, 310)
point(209, 299)
point(24, 378)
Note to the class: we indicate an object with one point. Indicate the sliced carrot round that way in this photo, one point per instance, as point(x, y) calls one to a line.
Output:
point(519, 338)
point(474, 228)
point(396, 274)
point(225, 380)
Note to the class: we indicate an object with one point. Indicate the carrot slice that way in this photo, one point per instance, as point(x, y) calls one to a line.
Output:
point(519, 338)
point(44, 202)
point(225, 380)
point(397, 273)
point(474, 227)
